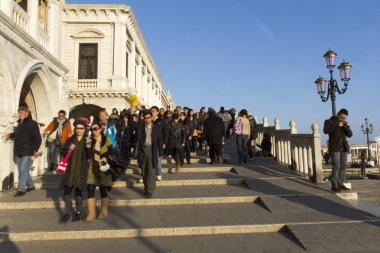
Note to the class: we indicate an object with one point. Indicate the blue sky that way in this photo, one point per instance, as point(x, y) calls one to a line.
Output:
point(264, 55)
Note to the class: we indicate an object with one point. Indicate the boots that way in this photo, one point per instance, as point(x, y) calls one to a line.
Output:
point(91, 210)
point(103, 209)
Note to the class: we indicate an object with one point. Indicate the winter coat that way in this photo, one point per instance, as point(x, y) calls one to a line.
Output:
point(27, 137)
point(87, 154)
point(176, 136)
point(214, 130)
point(337, 135)
point(160, 122)
point(66, 129)
point(157, 144)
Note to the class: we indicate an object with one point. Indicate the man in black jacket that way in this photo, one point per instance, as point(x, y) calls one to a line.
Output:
point(338, 130)
point(160, 123)
point(214, 132)
point(150, 147)
point(27, 141)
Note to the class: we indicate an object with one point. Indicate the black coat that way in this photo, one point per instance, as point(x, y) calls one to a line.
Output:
point(176, 136)
point(214, 130)
point(27, 138)
point(157, 144)
point(337, 135)
point(160, 122)
point(87, 154)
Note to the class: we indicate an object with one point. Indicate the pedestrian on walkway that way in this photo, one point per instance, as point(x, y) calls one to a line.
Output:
point(186, 151)
point(242, 129)
point(225, 116)
point(150, 150)
point(338, 130)
point(125, 138)
point(75, 177)
point(101, 144)
point(57, 132)
point(108, 126)
point(160, 123)
point(176, 141)
point(252, 137)
point(214, 132)
point(27, 141)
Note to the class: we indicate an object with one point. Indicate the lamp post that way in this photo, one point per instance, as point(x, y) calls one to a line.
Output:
point(333, 87)
point(367, 129)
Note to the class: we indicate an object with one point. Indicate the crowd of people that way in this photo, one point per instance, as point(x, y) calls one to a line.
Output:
point(147, 135)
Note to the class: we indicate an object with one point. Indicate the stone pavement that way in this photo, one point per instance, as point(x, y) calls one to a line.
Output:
point(256, 207)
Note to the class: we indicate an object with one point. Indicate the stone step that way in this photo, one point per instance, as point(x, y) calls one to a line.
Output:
point(168, 161)
point(171, 169)
point(139, 233)
point(178, 179)
point(132, 221)
point(177, 195)
point(222, 243)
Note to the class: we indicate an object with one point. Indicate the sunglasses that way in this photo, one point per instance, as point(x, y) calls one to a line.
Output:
point(95, 129)
point(61, 115)
point(80, 128)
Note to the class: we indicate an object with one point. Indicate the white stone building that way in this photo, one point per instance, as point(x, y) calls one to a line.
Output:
point(79, 58)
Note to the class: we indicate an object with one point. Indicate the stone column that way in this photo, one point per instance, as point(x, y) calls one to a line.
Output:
point(131, 66)
point(119, 50)
point(54, 27)
point(7, 7)
point(33, 14)
point(138, 76)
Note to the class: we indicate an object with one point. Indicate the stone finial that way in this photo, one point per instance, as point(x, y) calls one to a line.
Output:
point(292, 125)
point(277, 124)
point(265, 121)
point(314, 127)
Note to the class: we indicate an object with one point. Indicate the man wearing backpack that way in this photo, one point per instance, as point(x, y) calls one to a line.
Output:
point(242, 129)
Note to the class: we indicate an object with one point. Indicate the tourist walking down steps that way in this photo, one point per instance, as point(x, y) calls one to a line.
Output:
point(214, 132)
point(242, 129)
point(27, 141)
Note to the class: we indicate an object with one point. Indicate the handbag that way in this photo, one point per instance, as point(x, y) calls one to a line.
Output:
point(63, 163)
point(117, 163)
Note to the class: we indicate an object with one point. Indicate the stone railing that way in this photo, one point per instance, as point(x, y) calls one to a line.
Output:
point(20, 17)
point(86, 83)
point(300, 152)
point(43, 37)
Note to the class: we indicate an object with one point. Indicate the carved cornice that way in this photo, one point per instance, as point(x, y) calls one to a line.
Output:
point(95, 10)
point(30, 46)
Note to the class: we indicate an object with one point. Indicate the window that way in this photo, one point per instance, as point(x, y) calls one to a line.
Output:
point(88, 61)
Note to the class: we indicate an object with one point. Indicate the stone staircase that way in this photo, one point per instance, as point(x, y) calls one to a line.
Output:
point(259, 207)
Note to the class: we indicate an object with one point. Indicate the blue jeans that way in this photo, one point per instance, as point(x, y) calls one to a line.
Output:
point(159, 166)
point(339, 162)
point(241, 143)
point(24, 163)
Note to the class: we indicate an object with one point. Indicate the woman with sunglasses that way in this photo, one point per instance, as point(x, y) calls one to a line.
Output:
point(75, 176)
point(101, 144)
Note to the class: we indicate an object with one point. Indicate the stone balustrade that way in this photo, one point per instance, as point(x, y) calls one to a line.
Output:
point(300, 152)
point(43, 37)
point(86, 83)
point(20, 17)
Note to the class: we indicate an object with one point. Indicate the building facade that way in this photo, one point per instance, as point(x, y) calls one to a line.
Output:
point(79, 58)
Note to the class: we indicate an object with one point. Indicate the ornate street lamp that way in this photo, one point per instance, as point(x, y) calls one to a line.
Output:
point(367, 129)
point(344, 68)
